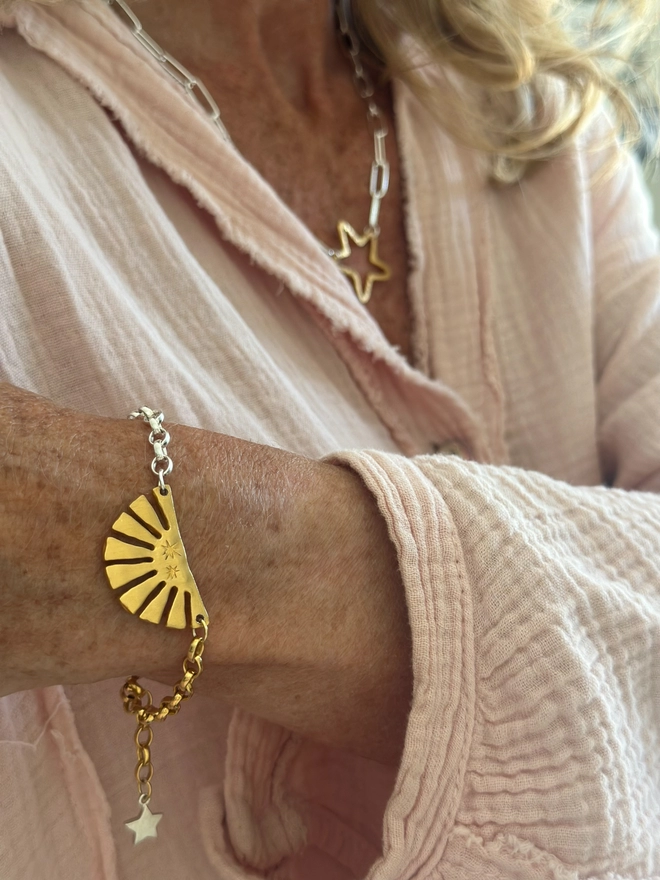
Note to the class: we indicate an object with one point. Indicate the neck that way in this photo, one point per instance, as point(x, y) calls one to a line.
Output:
point(292, 44)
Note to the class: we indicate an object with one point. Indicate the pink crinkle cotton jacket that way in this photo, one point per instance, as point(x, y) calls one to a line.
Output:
point(532, 571)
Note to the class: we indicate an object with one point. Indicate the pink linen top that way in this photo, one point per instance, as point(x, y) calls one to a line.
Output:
point(533, 747)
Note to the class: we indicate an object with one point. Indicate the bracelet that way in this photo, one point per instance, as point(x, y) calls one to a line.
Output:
point(147, 567)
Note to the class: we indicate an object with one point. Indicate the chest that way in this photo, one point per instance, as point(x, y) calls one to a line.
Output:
point(320, 167)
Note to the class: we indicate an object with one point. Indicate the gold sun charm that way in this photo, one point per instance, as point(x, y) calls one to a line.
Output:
point(347, 234)
point(146, 563)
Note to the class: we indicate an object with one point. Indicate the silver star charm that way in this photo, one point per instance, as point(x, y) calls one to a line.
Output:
point(145, 825)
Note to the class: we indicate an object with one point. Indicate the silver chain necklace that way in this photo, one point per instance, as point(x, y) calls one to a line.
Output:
point(379, 178)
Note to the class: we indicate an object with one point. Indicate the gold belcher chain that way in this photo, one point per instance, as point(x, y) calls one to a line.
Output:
point(137, 701)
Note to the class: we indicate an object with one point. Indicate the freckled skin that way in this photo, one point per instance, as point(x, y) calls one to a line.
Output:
point(309, 623)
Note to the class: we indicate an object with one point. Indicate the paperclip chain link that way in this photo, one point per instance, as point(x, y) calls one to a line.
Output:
point(194, 87)
point(379, 179)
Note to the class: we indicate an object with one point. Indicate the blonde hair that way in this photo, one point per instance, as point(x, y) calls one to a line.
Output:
point(520, 78)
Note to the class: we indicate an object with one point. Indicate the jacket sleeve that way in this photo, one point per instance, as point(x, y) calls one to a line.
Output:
point(533, 746)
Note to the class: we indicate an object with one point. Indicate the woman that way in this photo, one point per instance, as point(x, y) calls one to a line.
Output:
point(418, 664)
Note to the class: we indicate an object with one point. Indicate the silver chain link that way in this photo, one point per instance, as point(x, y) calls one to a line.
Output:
point(162, 465)
point(193, 87)
point(379, 179)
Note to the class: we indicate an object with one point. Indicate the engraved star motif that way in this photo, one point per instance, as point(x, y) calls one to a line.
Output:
point(172, 572)
point(145, 825)
point(370, 237)
point(170, 550)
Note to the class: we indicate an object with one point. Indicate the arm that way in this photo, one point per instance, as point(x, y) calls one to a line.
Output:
point(533, 611)
point(308, 619)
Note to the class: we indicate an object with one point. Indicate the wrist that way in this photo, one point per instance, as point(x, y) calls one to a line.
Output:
point(309, 624)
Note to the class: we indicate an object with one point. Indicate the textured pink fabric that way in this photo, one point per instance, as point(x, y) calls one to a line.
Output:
point(533, 748)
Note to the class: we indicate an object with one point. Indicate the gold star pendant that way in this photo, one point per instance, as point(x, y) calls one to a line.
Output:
point(145, 825)
point(370, 237)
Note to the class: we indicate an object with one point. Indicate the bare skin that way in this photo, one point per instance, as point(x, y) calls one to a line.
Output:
point(287, 97)
point(309, 623)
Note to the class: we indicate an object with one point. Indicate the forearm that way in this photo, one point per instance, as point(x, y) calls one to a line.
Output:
point(308, 618)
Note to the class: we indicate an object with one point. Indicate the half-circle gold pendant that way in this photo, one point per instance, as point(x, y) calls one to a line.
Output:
point(146, 562)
